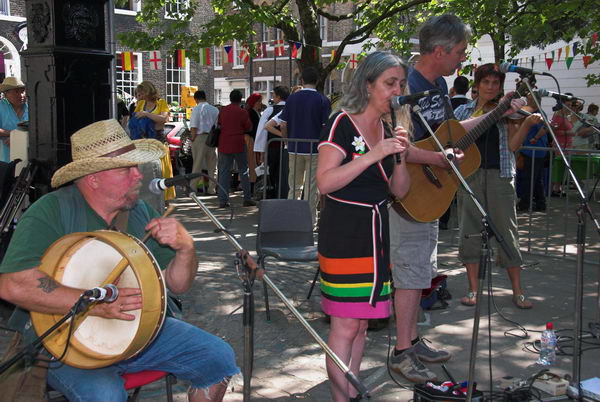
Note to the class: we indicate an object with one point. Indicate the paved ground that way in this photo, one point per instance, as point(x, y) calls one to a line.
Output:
point(289, 364)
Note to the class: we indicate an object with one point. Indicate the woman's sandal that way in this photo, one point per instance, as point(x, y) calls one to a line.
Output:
point(521, 302)
point(469, 300)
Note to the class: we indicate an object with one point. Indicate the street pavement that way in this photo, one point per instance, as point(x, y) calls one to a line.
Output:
point(289, 364)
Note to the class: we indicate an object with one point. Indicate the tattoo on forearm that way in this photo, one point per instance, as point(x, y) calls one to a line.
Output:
point(47, 284)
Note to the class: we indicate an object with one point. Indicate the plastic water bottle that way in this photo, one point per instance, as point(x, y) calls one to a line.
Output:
point(547, 346)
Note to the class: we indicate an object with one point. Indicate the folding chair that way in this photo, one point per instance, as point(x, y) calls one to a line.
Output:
point(285, 233)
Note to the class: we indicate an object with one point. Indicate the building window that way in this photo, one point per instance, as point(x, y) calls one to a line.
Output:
point(176, 77)
point(262, 87)
point(12, 61)
point(131, 5)
point(4, 7)
point(218, 56)
point(264, 32)
point(175, 8)
point(217, 99)
point(323, 28)
point(128, 80)
point(237, 49)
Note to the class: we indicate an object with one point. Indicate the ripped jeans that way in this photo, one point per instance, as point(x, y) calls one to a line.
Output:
point(182, 349)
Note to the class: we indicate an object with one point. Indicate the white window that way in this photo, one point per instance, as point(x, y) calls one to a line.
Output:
point(174, 8)
point(127, 5)
point(264, 33)
point(218, 62)
point(128, 80)
point(323, 28)
point(218, 93)
point(237, 49)
point(4, 7)
point(176, 77)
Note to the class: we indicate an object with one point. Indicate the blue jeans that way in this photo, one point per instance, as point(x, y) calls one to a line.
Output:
point(180, 348)
point(225, 164)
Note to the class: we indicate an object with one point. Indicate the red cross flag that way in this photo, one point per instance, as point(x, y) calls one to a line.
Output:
point(278, 46)
point(353, 61)
point(155, 60)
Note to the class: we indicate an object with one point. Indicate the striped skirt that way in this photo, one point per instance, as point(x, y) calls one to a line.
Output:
point(354, 259)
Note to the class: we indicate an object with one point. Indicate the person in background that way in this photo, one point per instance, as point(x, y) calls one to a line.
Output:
point(474, 93)
point(356, 172)
point(253, 107)
point(461, 87)
point(149, 106)
point(234, 122)
point(533, 163)
point(204, 118)
point(122, 112)
point(13, 110)
point(584, 128)
point(563, 131)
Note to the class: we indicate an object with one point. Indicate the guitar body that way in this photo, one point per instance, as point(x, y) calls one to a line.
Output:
point(432, 188)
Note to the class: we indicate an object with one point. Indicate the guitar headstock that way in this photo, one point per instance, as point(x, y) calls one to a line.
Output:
point(522, 89)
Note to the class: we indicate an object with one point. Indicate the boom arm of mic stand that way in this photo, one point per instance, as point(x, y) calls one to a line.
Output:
point(342, 366)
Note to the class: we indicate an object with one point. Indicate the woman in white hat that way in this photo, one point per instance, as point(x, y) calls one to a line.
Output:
point(13, 110)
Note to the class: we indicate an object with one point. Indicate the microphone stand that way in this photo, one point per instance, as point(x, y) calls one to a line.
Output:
point(248, 313)
point(488, 231)
point(29, 351)
point(582, 210)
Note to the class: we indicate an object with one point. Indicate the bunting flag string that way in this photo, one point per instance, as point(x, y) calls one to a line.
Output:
point(549, 61)
point(180, 58)
point(127, 61)
point(155, 60)
point(228, 54)
point(205, 56)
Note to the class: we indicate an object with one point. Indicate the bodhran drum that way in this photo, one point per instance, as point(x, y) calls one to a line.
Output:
point(85, 260)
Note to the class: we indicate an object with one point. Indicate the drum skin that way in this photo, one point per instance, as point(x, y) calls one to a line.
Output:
point(84, 260)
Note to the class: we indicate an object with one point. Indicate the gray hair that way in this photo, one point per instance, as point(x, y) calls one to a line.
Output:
point(445, 30)
point(356, 96)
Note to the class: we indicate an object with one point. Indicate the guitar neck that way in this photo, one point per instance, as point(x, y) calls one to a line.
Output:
point(488, 121)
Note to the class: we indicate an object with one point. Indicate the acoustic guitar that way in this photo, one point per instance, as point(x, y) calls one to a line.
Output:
point(432, 188)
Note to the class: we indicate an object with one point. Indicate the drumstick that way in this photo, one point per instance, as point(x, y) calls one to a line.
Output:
point(118, 270)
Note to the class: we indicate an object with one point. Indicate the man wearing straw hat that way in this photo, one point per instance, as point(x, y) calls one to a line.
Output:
point(13, 110)
point(94, 192)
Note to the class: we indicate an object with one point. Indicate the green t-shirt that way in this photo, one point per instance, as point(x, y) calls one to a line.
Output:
point(42, 225)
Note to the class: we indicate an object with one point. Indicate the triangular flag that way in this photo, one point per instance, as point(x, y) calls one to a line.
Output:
point(126, 61)
point(594, 38)
point(278, 47)
point(569, 60)
point(575, 45)
point(567, 51)
point(155, 60)
point(586, 61)
point(559, 53)
point(549, 61)
point(228, 54)
point(353, 61)
point(180, 58)
point(332, 55)
point(205, 56)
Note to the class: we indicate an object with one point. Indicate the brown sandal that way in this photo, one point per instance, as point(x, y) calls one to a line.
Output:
point(521, 302)
point(469, 300)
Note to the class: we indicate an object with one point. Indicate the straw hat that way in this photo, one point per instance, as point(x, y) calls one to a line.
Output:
point(11, 83)
point(102, 146)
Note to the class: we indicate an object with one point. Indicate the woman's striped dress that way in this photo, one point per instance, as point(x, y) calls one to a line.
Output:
point(354, 233)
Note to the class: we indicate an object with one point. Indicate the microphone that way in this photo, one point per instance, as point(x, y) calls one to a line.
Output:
point(411, 99)
point(556, 95)
point(507, 67)
point(107, 294)
point(157, 186)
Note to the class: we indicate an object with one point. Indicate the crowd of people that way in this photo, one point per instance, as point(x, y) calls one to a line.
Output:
point(374, 260)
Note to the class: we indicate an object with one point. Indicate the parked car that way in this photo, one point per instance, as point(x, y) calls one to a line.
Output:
point(181, 158)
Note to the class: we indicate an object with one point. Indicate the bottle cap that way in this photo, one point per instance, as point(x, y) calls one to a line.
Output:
point(549, 325)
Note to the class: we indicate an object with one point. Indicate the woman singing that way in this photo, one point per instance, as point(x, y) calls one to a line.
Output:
point(357, 171)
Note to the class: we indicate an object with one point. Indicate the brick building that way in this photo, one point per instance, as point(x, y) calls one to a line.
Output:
point(168, 80)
